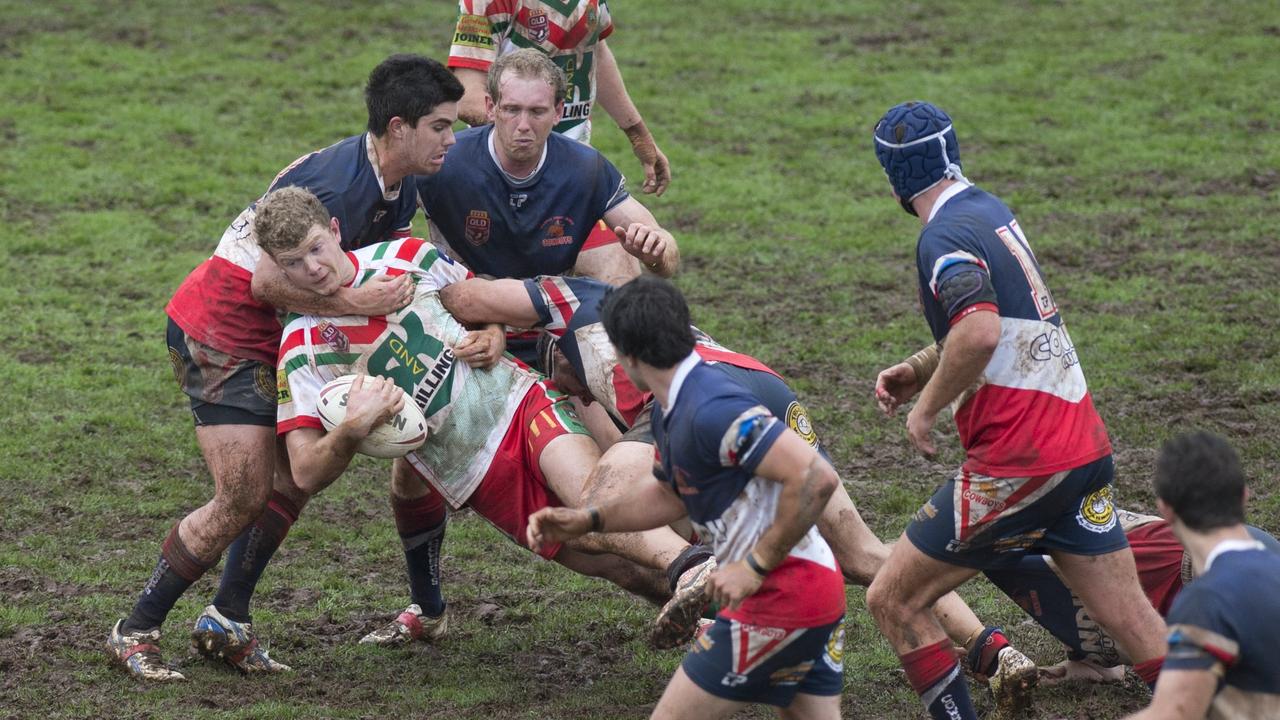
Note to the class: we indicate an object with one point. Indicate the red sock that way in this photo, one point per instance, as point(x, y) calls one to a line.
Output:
point(927, 665)
point(1149, 670)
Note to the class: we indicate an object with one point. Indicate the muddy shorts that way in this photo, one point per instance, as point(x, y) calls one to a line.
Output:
point(224, 389)
point(984, 522)
point(513, 487)
point(753, 663)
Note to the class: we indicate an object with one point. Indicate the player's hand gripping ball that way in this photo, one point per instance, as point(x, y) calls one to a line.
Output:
point(400, 434)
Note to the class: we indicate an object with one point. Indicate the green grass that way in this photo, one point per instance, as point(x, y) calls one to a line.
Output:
point(1135, 141)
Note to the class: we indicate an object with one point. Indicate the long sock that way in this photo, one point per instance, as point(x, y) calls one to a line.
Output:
point(1149, 670)
point(176, 570)
point(689, 557)
point(249, 554)
point(984, 658)
point(420, 523)
point(935, 676)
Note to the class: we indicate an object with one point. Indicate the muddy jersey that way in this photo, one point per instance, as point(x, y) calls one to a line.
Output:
point(507, 228)
point(567, 32)
point(1031, 414)
point(468, 411)
point(569, 307)
point(215, 304)
point(710, 441)
point(1227, 622)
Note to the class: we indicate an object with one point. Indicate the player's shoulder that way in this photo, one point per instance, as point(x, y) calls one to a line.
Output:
point(333, 168)
point(561, 149)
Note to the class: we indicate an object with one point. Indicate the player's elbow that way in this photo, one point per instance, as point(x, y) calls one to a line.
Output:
point(824, 480)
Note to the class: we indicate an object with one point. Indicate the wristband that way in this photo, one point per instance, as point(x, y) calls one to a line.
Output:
point(755, 565)
point(924, 363)
point(597, 524)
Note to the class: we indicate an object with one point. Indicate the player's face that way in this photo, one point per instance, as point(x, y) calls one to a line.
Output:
point(317, 264)
point(566, 378)
point(523, 117)
point(425, 144)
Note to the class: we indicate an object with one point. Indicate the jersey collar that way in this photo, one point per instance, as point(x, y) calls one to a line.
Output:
point(1227, 546)
point(677, 380)
point(512, 179)
point(946, 195)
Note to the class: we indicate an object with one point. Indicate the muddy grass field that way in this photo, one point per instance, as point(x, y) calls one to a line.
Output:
point(1135, 143)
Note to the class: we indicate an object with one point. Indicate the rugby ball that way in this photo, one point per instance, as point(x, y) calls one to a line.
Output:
point(404, 432)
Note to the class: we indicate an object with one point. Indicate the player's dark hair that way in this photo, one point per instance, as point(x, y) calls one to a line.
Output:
point(407, 86)
point(648, 319)
point(1199, 476)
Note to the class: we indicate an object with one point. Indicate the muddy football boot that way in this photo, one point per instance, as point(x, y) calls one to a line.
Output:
point(139, 653)
point(678, 619)
point(218, 638)
point(1013, 682)
point(408, 626)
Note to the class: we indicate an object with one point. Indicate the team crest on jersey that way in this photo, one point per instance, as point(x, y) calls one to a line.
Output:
point(1097, 514)
point(539, 26)
point(557, 231)
point(477, 227)
point(798, 420)
point(335, 337)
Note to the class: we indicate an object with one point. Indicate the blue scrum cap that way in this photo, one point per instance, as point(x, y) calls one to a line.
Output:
point(917, 148)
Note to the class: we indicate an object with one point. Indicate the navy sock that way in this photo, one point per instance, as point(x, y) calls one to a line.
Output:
point(421, 524)
point(249, 554)
point(176, 570)
point(689, 557)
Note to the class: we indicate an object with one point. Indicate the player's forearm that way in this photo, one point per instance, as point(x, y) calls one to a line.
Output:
point(477, 301)
point(670, 261)
point(471, 108)
point(799, 506)
point(968, 350)
point(612, 94)
point(924, 363)
point(651, 505)
point(316, 464)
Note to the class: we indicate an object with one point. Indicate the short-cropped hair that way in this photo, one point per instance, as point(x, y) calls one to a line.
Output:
point(283, 218)
point(409, 87)
point(1199, 476)
point(528, 64)
point(648, 319)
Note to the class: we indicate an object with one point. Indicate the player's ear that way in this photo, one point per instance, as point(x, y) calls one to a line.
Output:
point(490, 107)
point(1165, 510)
point(333, 228)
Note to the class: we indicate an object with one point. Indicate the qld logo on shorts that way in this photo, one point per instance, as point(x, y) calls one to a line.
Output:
point(476, 228)
point(538, 26)
point(1097, 514)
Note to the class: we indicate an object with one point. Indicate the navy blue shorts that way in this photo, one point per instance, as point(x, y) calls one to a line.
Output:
point(224, 389)
point(752, 663)
point(984, 522)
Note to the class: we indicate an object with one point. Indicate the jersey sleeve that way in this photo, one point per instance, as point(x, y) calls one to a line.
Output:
point(297, 383)
point(611, 186)
point(558, 299)
point(1200, 636)
point(606, 20)
point(955, 277)
point(481, 26)
point(742, 430)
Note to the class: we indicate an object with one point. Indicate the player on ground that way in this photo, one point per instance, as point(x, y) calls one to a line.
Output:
point(1224, 629)
point(582, 362)
point(501, 441)
point(223, 338)
point(1037, 476)
point(573, 35)
point(1164, 567)
point(753, 488)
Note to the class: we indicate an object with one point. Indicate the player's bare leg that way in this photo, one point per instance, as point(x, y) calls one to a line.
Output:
point(1108, 585)
point(815, 707)
point(643, 582)
point(900, 598)
point(684, 700)
point(597, 421)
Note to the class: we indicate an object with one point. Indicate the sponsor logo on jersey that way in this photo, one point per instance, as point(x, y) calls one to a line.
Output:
point(733, 679)
point(330, 333)
point(538, 25)
point(1054, 344)
point(283, 396)
point(1097, 514)
point(473, 31)
point(576, 111)
point(798, 420)
point(517, 200)
point(477, 227)
point(557, 231)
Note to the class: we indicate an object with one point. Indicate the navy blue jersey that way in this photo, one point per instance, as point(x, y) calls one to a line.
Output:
point(1032, 414)
point(503, 228)
point(1228, 622)
point(710, 442)
point(346, 182)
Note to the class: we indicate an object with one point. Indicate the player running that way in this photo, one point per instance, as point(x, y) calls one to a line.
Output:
point(1037, 474)
point(223, 338)
point(753, 488)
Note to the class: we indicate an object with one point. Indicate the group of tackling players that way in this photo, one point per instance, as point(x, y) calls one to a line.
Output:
point(680, 427)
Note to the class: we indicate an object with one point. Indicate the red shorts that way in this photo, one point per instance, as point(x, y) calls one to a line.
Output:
point(1159, 557)
point(600, 235)
point(514, 488)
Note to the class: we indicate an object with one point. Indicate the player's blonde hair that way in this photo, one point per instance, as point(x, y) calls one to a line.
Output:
point(284, 217)
point(529, 64)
